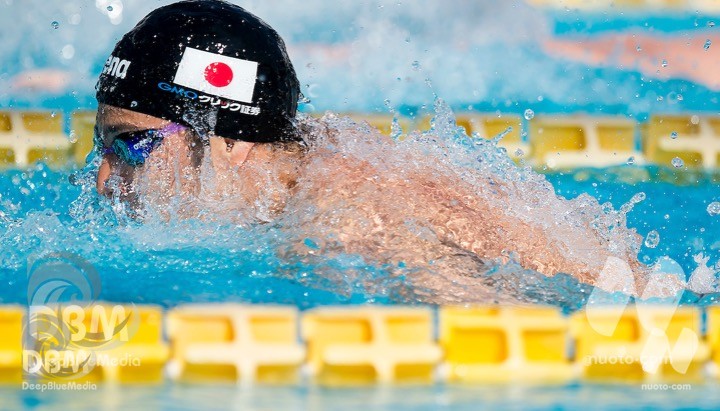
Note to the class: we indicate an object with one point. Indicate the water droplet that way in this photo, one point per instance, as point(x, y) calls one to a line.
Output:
point(711, 23)
point(673, 135)
point(713, 208)
point(109, 8)
point(529, 114)
point(133, 103)
point(68, 51)
point(664, 63)
point(519, 153)
point(707, 45)
point(73, 136)
point(416, 65)
point(695, 119)
point(53, 114)
point(677, 162)
point(631, 161)
point(396, 130)
point(638, 48)
point(679, 97)
point(652, 240)
point(55, 25)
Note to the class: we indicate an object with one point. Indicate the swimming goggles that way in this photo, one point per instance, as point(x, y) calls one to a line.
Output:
point(134, 147)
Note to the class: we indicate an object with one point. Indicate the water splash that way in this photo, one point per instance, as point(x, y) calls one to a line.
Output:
point(714, 208)
point(703, 279)
point(434, 217)
point(652, 239)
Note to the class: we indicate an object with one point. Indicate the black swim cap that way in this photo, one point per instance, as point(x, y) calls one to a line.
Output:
point(207, 64)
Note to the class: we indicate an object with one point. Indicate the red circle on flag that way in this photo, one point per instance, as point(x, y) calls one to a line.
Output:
point(218, 74)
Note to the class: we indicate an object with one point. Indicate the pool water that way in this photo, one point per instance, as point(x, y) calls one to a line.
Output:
point(374, 56)
point(40, 210)
point(303, 397)
point(377, 54)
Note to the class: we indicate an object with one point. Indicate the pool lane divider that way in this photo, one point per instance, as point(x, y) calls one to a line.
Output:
point(713, 337)
point(97, 343)
point(361, 345)
point(505, 344)
point(640, 343)
point(355, 345)
point(11, 329)
point(29, 136)
point(234, 342)
point(554, 142)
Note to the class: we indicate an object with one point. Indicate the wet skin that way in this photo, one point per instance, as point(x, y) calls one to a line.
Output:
point(458, 230)
point(113, 121)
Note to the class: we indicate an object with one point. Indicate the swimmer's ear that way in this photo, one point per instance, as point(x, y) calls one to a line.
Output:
point(238, 150)
point(103, 174)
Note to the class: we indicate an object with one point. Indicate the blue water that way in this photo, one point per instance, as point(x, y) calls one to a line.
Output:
point(42, 213)
point(392, 55)
point(303, 397)
point(362, 54)
point(586, 23)
point(675, 207)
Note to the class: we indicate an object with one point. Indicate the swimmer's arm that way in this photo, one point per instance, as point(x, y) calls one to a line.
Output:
point(480, 224)
point(462, 217)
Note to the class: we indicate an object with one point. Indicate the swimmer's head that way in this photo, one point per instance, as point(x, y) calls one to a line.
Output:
point(208, 65)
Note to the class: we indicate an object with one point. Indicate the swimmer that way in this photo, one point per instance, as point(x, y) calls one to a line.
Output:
point(197, 114)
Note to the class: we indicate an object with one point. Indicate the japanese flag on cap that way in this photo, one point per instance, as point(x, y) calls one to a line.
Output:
point(218, 75)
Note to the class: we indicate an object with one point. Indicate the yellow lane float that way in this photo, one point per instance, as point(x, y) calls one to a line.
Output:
point(692, 138)
point(368, 344)
point(239, 343)
point(640, 343)
point(98, 342)
point(30, 136)
point(11, 347)
point(564, 142)
point(505, 344)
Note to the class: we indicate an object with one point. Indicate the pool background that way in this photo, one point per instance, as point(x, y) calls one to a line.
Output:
point(483, 55)
point(370, 56)
point(192, 265)
point(364, 57)
point(439, 397)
